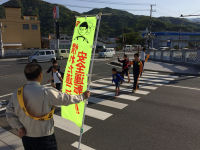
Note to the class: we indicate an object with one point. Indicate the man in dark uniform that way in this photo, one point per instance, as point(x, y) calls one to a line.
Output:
point(137, 70)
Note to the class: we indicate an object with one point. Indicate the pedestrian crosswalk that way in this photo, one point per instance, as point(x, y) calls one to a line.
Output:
point(108, 103)
point(103, 92)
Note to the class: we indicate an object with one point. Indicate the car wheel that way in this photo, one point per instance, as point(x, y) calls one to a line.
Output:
point(34, 61)
point(61, 57)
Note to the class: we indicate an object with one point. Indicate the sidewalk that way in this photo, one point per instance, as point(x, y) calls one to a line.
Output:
point(9, 141)
point(13, 59)
point(169, 68)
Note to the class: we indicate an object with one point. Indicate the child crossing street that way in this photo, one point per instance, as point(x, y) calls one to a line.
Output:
point(125, 66)
point(137, 71)
point(57, 78)
point(116, 78)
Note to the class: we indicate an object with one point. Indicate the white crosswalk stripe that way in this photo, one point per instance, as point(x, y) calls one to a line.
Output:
point(124, 84)
point(153, 80)
point(122, 96)
point(82, 146)
point(153, 72)
point(150, 83)
point(97, 114)
point(108, 103)
point(121, 88)
point(160, 75)
point(2, 109)
point(148, 87)
point(153, 77)
point(68, 126)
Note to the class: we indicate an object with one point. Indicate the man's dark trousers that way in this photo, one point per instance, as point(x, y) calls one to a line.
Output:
point(40, 143)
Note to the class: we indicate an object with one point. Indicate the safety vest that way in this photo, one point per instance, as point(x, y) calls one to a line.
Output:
point(20, 98)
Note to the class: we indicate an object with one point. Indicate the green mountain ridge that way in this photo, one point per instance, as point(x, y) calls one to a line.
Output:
point(111, 26)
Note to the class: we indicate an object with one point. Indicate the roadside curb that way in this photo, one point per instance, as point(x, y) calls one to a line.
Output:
point(172, 73)
point(13, 59)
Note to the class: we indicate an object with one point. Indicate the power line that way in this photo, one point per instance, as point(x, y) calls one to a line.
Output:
point(114, 3)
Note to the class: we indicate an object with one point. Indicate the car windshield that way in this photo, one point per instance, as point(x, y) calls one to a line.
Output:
point(35, 53)
point(104, 50)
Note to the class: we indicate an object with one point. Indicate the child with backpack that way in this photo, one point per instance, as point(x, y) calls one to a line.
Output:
point(57, 77)
point(125, 66)
point(116, 78)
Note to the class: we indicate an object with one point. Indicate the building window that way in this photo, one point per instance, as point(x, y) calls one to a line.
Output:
point(63, 51)
point(32, 18)
point(34, 27)
point(26, 18)
point(26, 26)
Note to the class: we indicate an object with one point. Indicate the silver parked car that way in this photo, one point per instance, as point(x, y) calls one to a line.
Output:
point(42, 56)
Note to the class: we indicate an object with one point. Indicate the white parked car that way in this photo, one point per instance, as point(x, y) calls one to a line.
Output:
point(42, 56)
point(106, 53)
point(112, 50)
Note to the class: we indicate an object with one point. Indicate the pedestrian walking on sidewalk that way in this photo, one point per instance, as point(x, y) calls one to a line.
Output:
point(143, 57)
point(137, 71)
point(125, 67)
point(31, 107)
point(117, 79)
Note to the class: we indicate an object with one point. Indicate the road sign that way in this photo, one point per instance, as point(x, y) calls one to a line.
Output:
point(56, 12)
point(75, 80)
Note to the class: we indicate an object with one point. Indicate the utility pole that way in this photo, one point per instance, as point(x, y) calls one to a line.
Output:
point(150, 25)
point(179, 39)
point(1, 40)
point(56, 18)
point(124, 43)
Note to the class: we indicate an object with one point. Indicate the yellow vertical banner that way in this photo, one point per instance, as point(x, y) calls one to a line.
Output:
point(76, 72)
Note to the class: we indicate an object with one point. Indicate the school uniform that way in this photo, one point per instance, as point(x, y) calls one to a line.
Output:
point(116, 78)
point(137, 70)
point(57, 81)
point(51, 70)
point(39, 101)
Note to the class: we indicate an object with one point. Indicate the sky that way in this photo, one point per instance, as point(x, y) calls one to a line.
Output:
point(172, 8)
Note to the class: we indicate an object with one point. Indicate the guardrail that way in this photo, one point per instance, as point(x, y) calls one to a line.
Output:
point(176, 56)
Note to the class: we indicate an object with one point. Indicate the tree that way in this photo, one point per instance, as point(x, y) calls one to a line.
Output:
point(132, 38)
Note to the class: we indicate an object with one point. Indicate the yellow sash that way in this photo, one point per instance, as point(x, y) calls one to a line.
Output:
point(21, 103)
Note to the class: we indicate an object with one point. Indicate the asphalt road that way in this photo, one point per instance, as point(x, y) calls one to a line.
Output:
point(159, 117)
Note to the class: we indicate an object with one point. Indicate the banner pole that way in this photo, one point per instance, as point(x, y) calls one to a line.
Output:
point(90, 76)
